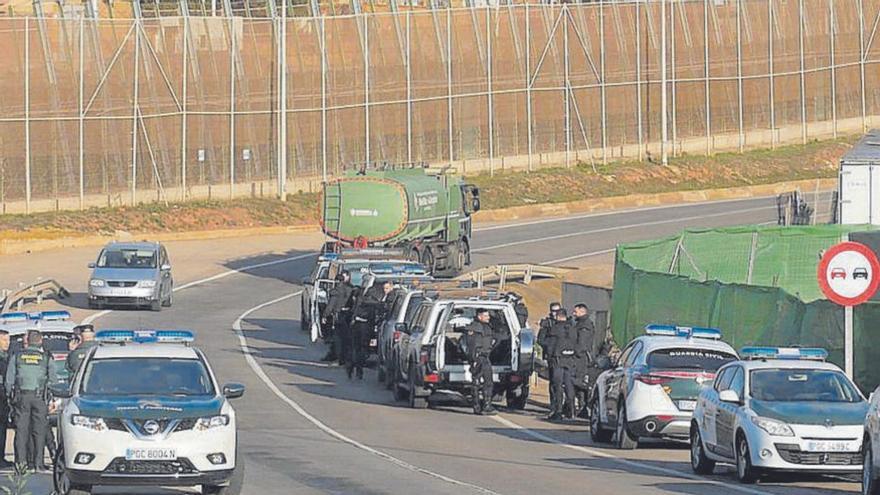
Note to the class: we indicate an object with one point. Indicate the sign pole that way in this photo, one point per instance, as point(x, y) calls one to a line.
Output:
point(848, 340)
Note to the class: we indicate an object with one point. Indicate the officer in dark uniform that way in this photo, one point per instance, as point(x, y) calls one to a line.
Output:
point(565, 349)
point(588, 370)
point(543, 332)
point(478, 343)
point(519, 307)
point(76, 356)
point(338, 312)
point(27, 380)
point(4, 402)
point(368, 300)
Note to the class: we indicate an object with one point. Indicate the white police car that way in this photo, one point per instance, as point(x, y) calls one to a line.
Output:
point(779, 410)
point(653, 390)
point(146, 409)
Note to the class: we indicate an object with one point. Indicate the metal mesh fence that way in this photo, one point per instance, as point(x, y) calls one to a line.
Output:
point(103, 111)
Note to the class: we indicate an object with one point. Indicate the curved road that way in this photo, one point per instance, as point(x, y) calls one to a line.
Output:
point(305, 428)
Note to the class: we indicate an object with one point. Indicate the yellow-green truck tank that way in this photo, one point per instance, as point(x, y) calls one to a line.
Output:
point(428, 215)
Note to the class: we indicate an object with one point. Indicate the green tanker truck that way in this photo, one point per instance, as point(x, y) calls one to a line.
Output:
point(426, 215)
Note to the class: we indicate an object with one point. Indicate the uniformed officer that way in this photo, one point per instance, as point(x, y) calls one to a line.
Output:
point(368, 300)
point(519, 307)
point(564, 347)
point(76, 356)
point(543, 331)
point(338, 311)
point(478, 343)
point(27, 380)
point(588, 370)
point(4, 402)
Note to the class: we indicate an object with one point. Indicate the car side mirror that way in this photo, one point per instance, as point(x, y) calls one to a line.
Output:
point(166, 267)
point(729, 396)
point(305, 281)
point(92, 265)
point(233, 390)
point(60, 390)
point(402, 328)
point(475, 205)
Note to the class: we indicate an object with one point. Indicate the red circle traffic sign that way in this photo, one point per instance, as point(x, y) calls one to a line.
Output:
point(849, 273)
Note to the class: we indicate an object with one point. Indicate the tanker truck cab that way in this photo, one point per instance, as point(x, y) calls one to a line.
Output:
point(437, 368)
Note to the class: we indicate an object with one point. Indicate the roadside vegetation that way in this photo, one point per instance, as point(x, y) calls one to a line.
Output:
point(505, 189)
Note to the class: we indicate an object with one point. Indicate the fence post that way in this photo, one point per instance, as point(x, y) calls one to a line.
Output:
point(82, 199)
point(862, 65)
point(282, 170)
point(833, 71)
point(449, 83)
point(27, 114)
point(602, 82)
point(706, 63)
point(322, 25)
point(664, 123)
point(232, 76)
point(772, 81)
point(672, 81)
point(366, 88)
point(803, 74)
point(183, 116)
point(529, 85)
point(567, 84)
point(409, 102)
point(489, 96)
point(739, 74)
point(134, 112)
point(638, 38)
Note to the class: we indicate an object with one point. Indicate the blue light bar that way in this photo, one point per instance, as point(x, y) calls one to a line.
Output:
point(686, 332)
point(51, 316)
point(328, 257)
point(787, 353)
point(146, 336)
point(13, 317)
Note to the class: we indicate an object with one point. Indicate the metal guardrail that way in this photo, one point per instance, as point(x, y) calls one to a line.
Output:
point(36, 292)
point(502, 273)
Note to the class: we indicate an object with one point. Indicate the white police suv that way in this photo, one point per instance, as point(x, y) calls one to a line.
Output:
point(779, 409)
point(653, 389)
point(146, 409)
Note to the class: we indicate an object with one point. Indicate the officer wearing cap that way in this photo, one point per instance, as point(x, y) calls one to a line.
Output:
point(27, 379)
point(478, 343)
point(4, 402)
point(76, 356)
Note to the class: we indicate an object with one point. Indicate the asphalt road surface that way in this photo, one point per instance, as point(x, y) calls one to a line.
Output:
point(306, 428)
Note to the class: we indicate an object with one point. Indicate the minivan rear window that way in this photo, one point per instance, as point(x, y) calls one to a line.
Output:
point(689, 359)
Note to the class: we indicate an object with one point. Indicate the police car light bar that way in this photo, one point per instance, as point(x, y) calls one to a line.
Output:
point(146, 336)
point(788, 353)
point(14, 317)
point(688, 332)
point(51, 316)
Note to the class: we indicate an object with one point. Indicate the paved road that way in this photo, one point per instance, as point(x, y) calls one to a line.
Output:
point(305, 428)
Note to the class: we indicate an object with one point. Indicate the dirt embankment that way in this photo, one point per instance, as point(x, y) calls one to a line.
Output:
point(503, 190)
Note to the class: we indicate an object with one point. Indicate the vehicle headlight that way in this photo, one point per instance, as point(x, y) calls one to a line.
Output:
point(773, 427)
point(147, 284)
point(96, 282)
point(88, 422)
point(210, 422)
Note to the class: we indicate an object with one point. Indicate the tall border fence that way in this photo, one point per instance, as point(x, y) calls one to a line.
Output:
point(103, 111)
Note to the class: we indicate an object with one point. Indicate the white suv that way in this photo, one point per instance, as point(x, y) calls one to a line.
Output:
point(146, 409)
point(653, 390)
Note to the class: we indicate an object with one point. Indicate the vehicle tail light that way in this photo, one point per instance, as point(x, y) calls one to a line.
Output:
point(653, 379)
point(665, 419)
point(396, 336)
point(423, 357)
point(515, 378)
point(432, 378)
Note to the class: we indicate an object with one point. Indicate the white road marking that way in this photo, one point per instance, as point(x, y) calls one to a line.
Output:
point(619, 227)
point(626, 462)
point(579, 256)
point(89, 319)
point(624, 210)
point(258, 370)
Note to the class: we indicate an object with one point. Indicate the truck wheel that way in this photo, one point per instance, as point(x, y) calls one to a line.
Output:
point(304, 323)
point(428, 259)
point(459, 257)
point(518, 402)
point(415, 400)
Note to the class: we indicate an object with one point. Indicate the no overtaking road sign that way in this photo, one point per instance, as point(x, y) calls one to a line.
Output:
point(849, 273)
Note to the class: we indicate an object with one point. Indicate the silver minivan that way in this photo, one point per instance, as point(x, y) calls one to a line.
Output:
point(134, 274)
